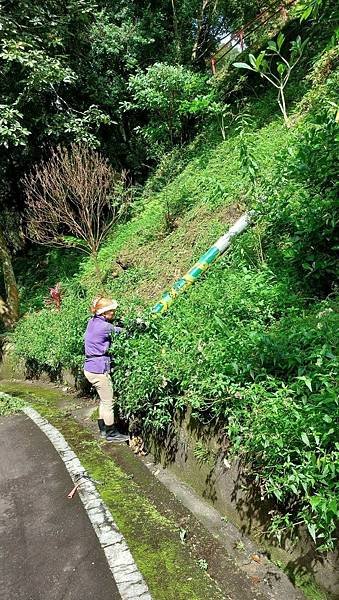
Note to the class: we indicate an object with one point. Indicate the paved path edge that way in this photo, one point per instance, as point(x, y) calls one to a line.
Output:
point(126, 574)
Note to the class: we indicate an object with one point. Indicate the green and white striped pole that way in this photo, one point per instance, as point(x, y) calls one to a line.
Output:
point(204, 262)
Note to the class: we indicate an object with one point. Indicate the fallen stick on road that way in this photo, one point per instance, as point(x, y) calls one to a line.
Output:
point(72, 492)
point(78, 479)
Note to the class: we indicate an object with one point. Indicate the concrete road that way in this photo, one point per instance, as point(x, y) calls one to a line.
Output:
point(48, 549)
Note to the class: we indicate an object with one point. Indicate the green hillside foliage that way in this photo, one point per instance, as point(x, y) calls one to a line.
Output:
point(251, 347)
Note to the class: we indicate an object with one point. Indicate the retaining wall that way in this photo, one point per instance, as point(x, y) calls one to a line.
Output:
point(198, 455)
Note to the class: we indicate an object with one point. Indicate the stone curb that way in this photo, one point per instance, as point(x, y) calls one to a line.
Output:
point(128, 578)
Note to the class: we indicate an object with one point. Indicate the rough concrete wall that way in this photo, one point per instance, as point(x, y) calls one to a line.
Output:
point(13, 368)
point(10, 366)
point(227, 485)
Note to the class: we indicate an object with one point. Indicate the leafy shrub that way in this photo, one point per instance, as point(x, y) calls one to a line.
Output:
point(169, 95)
point(53, 338)
point(304, 212)
point(285, 425)
point(9, 404)
point(246, 348)
point(251, 347)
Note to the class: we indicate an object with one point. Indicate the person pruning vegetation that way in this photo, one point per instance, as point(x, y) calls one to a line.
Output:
point(97, 365)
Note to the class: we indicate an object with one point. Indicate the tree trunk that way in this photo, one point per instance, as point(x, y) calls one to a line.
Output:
point(9, 308)
point(176, 32)
point(200, 25)
point(99, 276)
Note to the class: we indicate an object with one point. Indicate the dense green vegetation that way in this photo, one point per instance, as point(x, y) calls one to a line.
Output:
point(73, 72)
point(251, 348)
point(9, 405)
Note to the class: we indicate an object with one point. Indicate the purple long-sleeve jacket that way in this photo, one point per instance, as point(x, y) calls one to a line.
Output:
point(97, 342)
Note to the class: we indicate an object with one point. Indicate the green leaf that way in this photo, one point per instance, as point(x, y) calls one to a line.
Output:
point(280, 40)
point(272, 46)
point(333, 506)
point(259, 60)
point(307, 381)
point(306, 13)
point(311, 529)
point(315, 501)
point(219, 321)
point(277, 494)
point(253, 60)
point(281, 68)
point(305, 439)
point(242, 65)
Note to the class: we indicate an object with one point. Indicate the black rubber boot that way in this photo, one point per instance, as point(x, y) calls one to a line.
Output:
point(113, 435)
point(102, 428)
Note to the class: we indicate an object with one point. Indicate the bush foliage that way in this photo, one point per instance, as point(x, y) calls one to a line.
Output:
point(251, 347)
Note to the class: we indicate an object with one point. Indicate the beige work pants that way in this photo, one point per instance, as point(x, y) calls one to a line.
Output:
point(103, 385)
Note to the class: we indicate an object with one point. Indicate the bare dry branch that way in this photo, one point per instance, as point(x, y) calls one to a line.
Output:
point(73, 199)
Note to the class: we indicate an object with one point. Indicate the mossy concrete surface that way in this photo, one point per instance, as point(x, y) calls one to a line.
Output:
point(148, 515)
point(169, 568)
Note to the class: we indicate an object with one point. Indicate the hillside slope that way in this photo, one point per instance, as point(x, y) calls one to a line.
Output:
point(251, 347)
